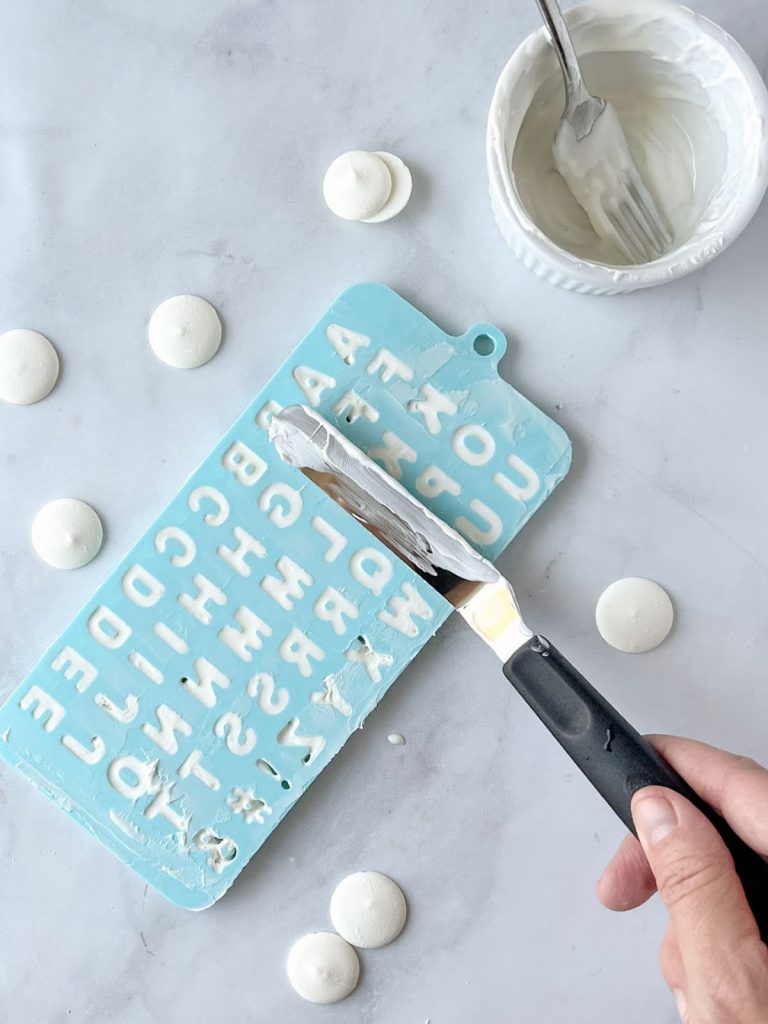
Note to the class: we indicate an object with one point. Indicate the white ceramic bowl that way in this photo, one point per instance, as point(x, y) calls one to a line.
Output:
point(706, 60)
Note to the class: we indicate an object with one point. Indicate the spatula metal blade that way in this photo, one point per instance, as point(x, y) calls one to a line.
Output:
point(409, 529)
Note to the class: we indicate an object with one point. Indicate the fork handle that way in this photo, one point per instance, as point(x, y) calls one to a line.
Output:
point(576, 90)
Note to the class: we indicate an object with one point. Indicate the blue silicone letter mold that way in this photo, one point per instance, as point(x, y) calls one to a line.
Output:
point(254, 625)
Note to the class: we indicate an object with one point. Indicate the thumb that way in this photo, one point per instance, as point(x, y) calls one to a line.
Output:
point(697, 881)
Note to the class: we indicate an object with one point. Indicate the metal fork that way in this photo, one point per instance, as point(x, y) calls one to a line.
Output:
point(593, 156)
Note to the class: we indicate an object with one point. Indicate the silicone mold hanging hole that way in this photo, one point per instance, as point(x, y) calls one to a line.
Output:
point(484, 345)
point(285, 784)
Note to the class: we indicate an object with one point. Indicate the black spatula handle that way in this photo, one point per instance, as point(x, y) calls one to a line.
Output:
point(614, 756)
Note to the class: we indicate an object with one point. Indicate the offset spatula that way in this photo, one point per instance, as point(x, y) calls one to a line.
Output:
point(613, 756)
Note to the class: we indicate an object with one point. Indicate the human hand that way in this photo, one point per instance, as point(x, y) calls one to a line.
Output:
point(712, 956)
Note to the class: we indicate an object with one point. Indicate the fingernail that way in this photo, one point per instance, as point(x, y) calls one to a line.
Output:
point(654, 818)
point(682, 1005)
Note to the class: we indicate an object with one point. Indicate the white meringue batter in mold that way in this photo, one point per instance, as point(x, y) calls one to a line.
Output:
point(29, 367)
point(67, 533)
point(368, 909)
point(322, 967)
point(185, 331)
point(634, 615)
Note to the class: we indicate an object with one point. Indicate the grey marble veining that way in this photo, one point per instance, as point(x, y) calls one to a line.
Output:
point(148, 149)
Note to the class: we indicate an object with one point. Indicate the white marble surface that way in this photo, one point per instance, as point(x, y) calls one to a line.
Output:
point(152, 148)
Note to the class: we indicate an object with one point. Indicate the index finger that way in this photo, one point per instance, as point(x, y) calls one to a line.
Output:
point(735, 786)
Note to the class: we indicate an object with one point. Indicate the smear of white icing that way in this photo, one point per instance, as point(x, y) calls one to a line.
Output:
point(125, 826)
point(67, 533)
point(368, 187)
point(322, 967)
point(185, 331)
point(29, 367)
point(396, 739)
point(634, 615)
point(331, 696)
point(368, 909)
